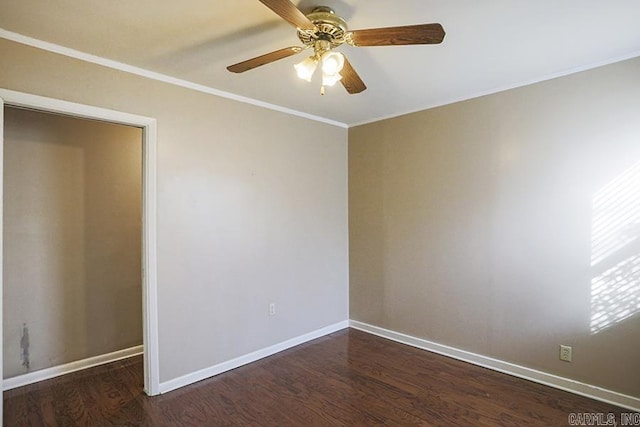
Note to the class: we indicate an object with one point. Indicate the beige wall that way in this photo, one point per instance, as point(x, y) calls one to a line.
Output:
point(72, 233)
point(507, 225)
point(251, 210)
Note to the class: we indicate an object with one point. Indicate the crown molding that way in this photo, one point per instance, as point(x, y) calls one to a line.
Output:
point(127, 68)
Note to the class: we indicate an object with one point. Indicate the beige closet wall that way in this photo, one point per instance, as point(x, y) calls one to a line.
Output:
point(508, 224)
point(72, 233)
point(251, 209)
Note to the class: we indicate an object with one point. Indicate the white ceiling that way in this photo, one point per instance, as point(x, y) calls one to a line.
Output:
point(489, 46)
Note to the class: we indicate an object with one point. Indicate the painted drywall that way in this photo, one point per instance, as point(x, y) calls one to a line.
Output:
point(72, 230)
point(508, 225)
point(251, 209)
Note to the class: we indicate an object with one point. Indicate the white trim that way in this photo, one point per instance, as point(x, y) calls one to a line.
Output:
point(120, 66)
point(149, 263)
point(149, 260)
point(67, 368)
point(503, 88)
point(566, 384)
point(249, 358)
point(56, 106)
point(1, 236)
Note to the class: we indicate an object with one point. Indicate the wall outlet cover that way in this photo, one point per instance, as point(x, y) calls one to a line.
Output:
point(566, 353)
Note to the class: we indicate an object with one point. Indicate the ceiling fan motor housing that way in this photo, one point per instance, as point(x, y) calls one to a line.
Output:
point(329, 27)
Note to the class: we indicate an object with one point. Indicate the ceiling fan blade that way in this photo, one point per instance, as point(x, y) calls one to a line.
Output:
point(290, 13)
point(252, 63)
point(411, 34)
point(350, 79)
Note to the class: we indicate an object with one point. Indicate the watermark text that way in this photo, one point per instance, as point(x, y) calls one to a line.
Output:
point(604, 419)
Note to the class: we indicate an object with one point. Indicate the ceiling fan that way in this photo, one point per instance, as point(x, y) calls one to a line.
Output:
point(322, 30)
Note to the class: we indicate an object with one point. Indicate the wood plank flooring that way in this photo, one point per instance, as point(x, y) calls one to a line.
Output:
point(349, 378)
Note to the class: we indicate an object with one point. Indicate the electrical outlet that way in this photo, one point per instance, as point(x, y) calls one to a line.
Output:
point(272, 309)
point(566, 353)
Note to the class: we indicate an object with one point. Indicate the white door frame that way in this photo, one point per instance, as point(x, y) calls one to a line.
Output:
point(149, 264)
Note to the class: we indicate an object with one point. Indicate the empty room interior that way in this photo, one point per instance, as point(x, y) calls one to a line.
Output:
point(325, 213)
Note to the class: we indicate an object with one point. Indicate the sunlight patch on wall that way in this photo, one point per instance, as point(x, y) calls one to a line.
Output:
point(615, 294)
point(615, 251)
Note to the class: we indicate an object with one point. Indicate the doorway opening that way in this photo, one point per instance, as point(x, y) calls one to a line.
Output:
point(80, 187)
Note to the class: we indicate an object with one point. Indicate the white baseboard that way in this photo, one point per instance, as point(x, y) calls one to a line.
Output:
point(67, 368)
point(211, 371)
point(566, 384)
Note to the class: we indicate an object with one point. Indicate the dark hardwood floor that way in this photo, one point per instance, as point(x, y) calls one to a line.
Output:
point(349, 378)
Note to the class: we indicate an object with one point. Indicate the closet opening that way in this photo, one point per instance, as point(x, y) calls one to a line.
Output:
point(78, 239)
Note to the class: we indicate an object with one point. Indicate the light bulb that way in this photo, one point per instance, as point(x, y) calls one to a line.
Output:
point(332, 62)
point(306, 68)
point(330, 79)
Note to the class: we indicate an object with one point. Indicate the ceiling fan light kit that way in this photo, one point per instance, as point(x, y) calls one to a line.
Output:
point(322, 30)
point(332, 64)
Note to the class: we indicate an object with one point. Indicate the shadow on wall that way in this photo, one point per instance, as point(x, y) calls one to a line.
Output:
point(615, 251)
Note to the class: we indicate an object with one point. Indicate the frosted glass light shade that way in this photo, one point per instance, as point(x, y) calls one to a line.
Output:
point(332, 62)
point(306, 68)
point(330, 79)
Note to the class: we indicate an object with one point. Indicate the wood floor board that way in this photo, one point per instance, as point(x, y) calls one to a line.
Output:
point(348, 378)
